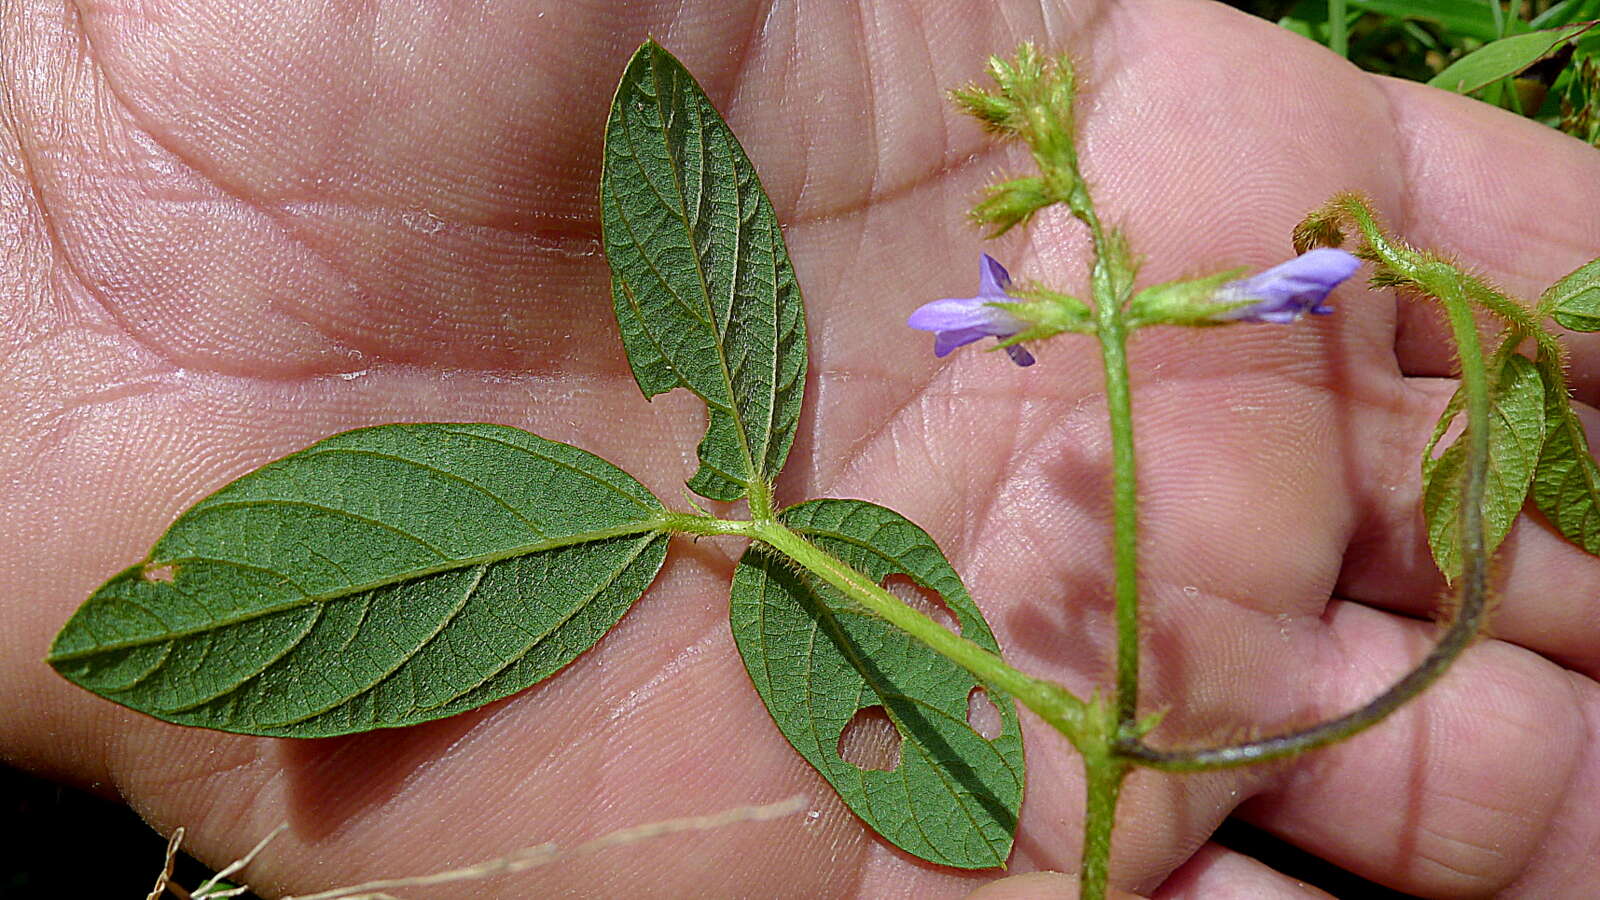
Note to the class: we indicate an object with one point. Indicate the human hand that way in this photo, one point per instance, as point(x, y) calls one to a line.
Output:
point(233, 234)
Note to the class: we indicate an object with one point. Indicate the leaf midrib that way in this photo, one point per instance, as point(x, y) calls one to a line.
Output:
point(828, 622)
point(528, 646)
point(656, 523)
point(756, 470)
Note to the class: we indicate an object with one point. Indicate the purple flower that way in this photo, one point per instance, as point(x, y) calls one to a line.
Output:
point(1289, 290)
point(956, 322)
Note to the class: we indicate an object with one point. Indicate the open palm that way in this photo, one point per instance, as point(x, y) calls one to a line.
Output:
point(228, 234)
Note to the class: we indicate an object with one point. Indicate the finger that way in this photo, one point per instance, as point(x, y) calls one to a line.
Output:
point(1545, 589)
point(1039, 886)
point(1470, 193)
point(1482, 786)
point(356, 198)
point(1217, 873)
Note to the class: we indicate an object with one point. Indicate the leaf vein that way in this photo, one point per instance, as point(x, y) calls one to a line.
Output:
point(435, 470)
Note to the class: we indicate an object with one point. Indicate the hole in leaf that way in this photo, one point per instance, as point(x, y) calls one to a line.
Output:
point(924, 601)
point(982, 714)
point(158, 573)
point(870, 740)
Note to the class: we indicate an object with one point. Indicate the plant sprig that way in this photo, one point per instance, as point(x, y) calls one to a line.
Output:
point(394, 575)
point(1475, 489)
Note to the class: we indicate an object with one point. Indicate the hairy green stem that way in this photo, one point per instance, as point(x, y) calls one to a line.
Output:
point(1124, 496)
point(1103, 773)
point(1444, 283)
point(1111, 280)
point(1103, 782)
point(1110, 283)
point(1052, 702)
point(760, 494)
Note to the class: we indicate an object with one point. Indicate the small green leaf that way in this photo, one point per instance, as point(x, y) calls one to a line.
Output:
point(1574, 301)
point(382, 577)
point(817, 659)
point(1566, 485)
point(1516, 434)
point(1503, 58)
point(704, 292)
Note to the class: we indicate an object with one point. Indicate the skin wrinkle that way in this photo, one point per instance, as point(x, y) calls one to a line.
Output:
point(931, 74)
point(1539, 846)
point(1571, 798)
point(1014, 451)
point(1450, 872)
point(874, 193)
point(40, 207)
point(106, 87)
point(1432, 713)
point(856, 451)
point(1480, 863)
point(1510, 810)
point(233, 191)
point(747, 47)
point(874, 135)
point(285, 221)
point(294, 228)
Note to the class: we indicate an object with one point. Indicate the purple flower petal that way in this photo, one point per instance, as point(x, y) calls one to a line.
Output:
point(958, 321)
point(993, 279)
point(1020, 355)
point(945, 341)
point(1291, 289)
point(956, 314)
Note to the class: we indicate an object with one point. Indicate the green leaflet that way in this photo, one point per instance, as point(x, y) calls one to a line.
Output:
point(1503, 58)
point(1574, 301)
point(1566, 485)
point(701, 281)
point(382, 577)
point(816, 659)
point(1516, 434)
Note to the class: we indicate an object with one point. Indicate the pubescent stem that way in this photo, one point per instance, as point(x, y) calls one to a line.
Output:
point(760, 496)
point(1052, 702)
point(1442, 282)
point(1103, 774)
point(1111, 283)
point(1323, 227)
point(1103, 785)
point(1124, 495)
point(1110, 289)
